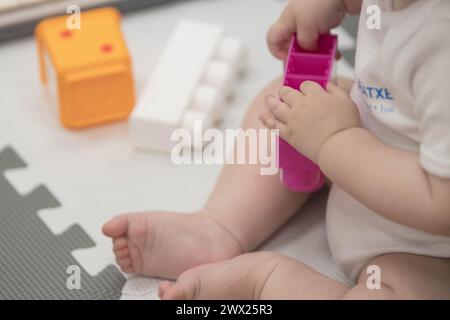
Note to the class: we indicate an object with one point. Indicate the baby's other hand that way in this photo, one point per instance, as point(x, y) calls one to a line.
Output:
point(307, 18)
point(308, 118)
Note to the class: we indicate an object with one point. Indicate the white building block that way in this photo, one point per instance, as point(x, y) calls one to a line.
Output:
point(232, 51)
point(210, 100)
point(221, 75)
point(196, 72)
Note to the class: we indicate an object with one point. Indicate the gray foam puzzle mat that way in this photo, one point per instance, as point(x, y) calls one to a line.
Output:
point(33, 261)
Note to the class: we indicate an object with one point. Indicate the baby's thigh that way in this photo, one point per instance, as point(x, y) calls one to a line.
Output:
point(258, 105)
point(405, 276)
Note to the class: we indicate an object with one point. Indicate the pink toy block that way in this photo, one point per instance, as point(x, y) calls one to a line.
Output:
point(299, 173)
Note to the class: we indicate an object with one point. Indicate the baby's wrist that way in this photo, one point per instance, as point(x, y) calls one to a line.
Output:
point(336, 143)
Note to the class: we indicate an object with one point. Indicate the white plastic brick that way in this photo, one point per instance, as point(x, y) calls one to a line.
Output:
point(209, 99)
point(191, 81)
point(232, 51)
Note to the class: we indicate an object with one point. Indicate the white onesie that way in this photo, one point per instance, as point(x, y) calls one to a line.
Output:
point(402, 90)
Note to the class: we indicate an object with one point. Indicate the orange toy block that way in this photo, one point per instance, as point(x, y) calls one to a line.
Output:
point(87, 70)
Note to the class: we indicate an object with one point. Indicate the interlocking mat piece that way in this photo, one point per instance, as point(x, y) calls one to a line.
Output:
point(36, 264)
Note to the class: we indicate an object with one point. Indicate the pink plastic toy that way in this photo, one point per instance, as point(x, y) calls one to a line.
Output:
point(299, 173)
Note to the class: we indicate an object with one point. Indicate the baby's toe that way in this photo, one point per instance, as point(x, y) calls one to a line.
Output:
point(124, 263)
point(187, 287)
point(120, 244)
point(123, 253)
point(128, 269)
point(176, 292)
point(116, 227)
point(164, 287)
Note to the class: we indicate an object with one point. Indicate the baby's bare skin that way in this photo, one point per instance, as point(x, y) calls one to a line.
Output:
point(271, 276)
point(164, 244)
point(182, 241)
point(245, 208)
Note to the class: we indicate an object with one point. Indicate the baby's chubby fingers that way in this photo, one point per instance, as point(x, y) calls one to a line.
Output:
point(278, 108)
point(335, 90)
point(308, 20)
point(290, 96)
point(307, 36)
point(280, 34)
point(272, 123)
point(278, 39)
point(311, 87)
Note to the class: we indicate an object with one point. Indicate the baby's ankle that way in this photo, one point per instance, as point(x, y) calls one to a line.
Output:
point(222, 235)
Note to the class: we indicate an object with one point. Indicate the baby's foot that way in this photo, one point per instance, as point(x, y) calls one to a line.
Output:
point(164, 244)
point(241, 278)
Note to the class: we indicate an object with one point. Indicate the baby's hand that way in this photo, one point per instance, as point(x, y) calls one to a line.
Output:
point(307, 18)
point(308, 118)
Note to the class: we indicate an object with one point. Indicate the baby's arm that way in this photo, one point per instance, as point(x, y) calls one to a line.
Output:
point(390, 181)
point(412, 188)
point(325, 126)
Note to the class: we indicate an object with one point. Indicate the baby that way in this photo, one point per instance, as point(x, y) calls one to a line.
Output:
point(385, 147)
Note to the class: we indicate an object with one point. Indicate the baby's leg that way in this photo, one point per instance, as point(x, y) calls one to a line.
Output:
point(259, 275)
point(268, 275)
point(406, 276)
point(244, 209)
point(249, 205)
